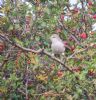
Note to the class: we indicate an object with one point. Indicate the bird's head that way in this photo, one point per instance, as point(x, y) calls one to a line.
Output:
point(55, 37)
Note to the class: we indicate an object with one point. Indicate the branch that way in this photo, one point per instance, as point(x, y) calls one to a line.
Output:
point(48, 93)
point(6, 58)
point(65, 28)
point(26, 84)
point(58, 60)
point(71, 56)
point(34, 51)
point(19, 46)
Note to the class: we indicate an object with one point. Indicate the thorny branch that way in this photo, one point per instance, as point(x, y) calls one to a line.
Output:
point(71, 56)
point(34, 51)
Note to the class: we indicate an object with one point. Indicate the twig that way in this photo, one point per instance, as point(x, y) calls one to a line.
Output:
point(21, 91)
point(6, 58)
point(19, 46)
point(48, 93)
point(71, 56)
point(9, 51)
point(87, 95)
point(64, 27)
point(26, 84)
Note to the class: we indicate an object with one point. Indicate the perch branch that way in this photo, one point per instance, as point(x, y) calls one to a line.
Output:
point(34, 51)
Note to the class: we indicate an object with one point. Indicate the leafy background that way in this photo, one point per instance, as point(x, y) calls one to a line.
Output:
point(36, 76)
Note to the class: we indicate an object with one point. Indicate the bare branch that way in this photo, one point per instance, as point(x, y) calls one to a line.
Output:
point(34, 51)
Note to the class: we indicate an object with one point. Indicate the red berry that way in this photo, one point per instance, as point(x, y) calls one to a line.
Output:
point(94, 16)
point(90, 3)
point(71, 39)
point(91, 72)
point(59, 73)
point(52, 66)
point(76, 69)
point(1, 47)
point(76, 10)
point(16, 62)
point(65, 43)
point(62, 17)
point(83, 35)
point(72, 48)
point(28, 62)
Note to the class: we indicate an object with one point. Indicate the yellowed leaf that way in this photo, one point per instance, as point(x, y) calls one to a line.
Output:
point(94, 81)
point(3, 89)
point(33, 58)
point(42, 78)
point(69, 97)
point(79, 56)
point(18, 41)
point(56, 79)
point(90, 52)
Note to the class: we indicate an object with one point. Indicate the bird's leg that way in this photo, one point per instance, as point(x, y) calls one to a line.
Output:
point(62, 58)
point(52, 54)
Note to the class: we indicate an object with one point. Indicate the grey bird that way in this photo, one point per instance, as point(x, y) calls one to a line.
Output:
point(57, 45)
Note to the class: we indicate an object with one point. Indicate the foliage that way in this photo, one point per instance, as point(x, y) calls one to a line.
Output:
point(29, 76)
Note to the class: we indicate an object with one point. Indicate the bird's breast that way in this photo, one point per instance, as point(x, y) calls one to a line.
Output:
point(58, 47)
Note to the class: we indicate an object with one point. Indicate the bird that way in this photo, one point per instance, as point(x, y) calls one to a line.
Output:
point(57, 44)
point(58, 48)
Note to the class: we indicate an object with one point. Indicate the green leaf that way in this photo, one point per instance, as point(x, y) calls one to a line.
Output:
point(10, 27)
point(19, 42)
